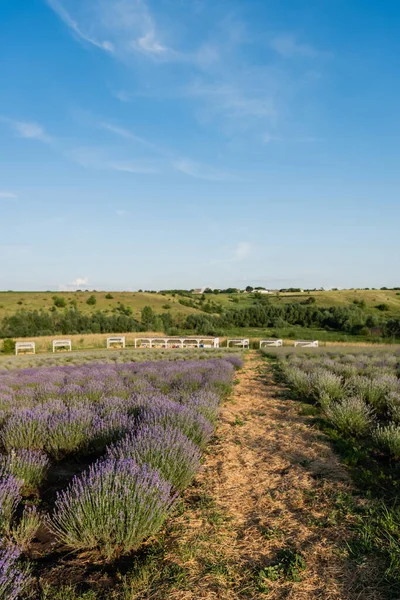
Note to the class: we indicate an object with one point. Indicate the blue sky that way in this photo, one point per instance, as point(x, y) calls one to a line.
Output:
point(180, 143)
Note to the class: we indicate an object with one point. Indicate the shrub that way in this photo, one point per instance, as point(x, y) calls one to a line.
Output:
point(27, 528)
point(28, 465)
point(383, 307)
point(91, 300)
point(387, 438)
point(193, 425)
point(298, 380)
point(8, 346)
point(10, 496)
point(13, 579)
point(109, 296)
point(393, 402)
point(59, 301)
point(326, 385)
point(350, 416)
point(24, 430)
point(111, 508)
point(166, 449)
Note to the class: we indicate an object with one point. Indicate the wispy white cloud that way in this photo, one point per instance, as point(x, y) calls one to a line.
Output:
point(28, 130)
point(243, 250)
point(234, 101)
point(78, 283)
point(286, 45)
point(73, 25)
point(99, 159)
point(127, 26)
point(201, 171)
point(131, 167)
point(8, 196)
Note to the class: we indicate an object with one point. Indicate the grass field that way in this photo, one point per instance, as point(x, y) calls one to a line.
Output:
point(10, 302)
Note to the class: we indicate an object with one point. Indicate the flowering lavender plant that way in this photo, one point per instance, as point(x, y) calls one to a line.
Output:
point(166, 449)
point(30, 466)
point(111, 508)
point(10, 496)
point(13, 579)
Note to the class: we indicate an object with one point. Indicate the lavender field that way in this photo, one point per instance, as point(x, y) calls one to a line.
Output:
point(94, 457)
point(356, 400)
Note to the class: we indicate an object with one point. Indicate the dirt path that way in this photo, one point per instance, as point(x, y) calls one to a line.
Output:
point(267, 517)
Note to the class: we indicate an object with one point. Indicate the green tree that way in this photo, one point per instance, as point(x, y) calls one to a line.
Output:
point(147, 318)
point(91, 300)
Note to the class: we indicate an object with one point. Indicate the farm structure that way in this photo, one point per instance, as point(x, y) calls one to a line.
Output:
point(177, 342)
point(270, 343)
point(63, 344)
point(306, 343)
point(117, 340)
point(25, 347)
point(241, 342)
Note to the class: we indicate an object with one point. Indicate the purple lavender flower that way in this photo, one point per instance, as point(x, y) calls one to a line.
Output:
point(166, 449)
point(111, 508)
point(13, 578)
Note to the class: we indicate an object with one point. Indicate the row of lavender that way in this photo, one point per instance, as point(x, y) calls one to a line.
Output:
point(359, 394)
point(148, 422)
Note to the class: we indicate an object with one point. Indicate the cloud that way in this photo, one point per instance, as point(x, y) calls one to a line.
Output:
point(99, 159)
point(29, 130)
point(287, 46)
point(200, 171)
point(80, 281)
point(126, 25)
point(243, 250)
point(59, 9)
point(130, 167)
point(8, 196)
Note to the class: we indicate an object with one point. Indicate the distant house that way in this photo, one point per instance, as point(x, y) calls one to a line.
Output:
point(198, 291)
point(264, 292)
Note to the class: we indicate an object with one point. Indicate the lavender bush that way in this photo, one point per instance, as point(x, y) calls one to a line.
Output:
point(13, 578)
point(387, 438)
point(112, 508)
point(166, 449)
point(30, 466)
point(10, 496)
point(351, 416)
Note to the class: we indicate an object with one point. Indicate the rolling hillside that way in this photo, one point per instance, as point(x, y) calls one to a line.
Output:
point(10, 302)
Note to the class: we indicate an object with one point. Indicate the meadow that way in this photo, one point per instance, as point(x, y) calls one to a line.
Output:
point(354, 397)
point(11, 301)
point(95, 458)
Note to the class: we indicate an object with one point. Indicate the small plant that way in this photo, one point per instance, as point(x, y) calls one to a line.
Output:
point(111, 508)
point(13, 579)
point(27, 528)
point(10, 496)
point(350, 416)
point(59, 302)
point(387, 438)
point(8, 346)
point(91, 300)
point(30, 466)
point(163, 448)
point(109, 296)
point(288, 565)
point(166, 306)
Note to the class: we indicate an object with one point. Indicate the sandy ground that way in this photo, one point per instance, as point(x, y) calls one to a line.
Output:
point(270, 482)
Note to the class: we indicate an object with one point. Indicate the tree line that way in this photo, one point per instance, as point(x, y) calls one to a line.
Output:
point(351, 319)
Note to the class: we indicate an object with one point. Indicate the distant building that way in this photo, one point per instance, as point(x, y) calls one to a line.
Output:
point(264, 292)
point(198, 291)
